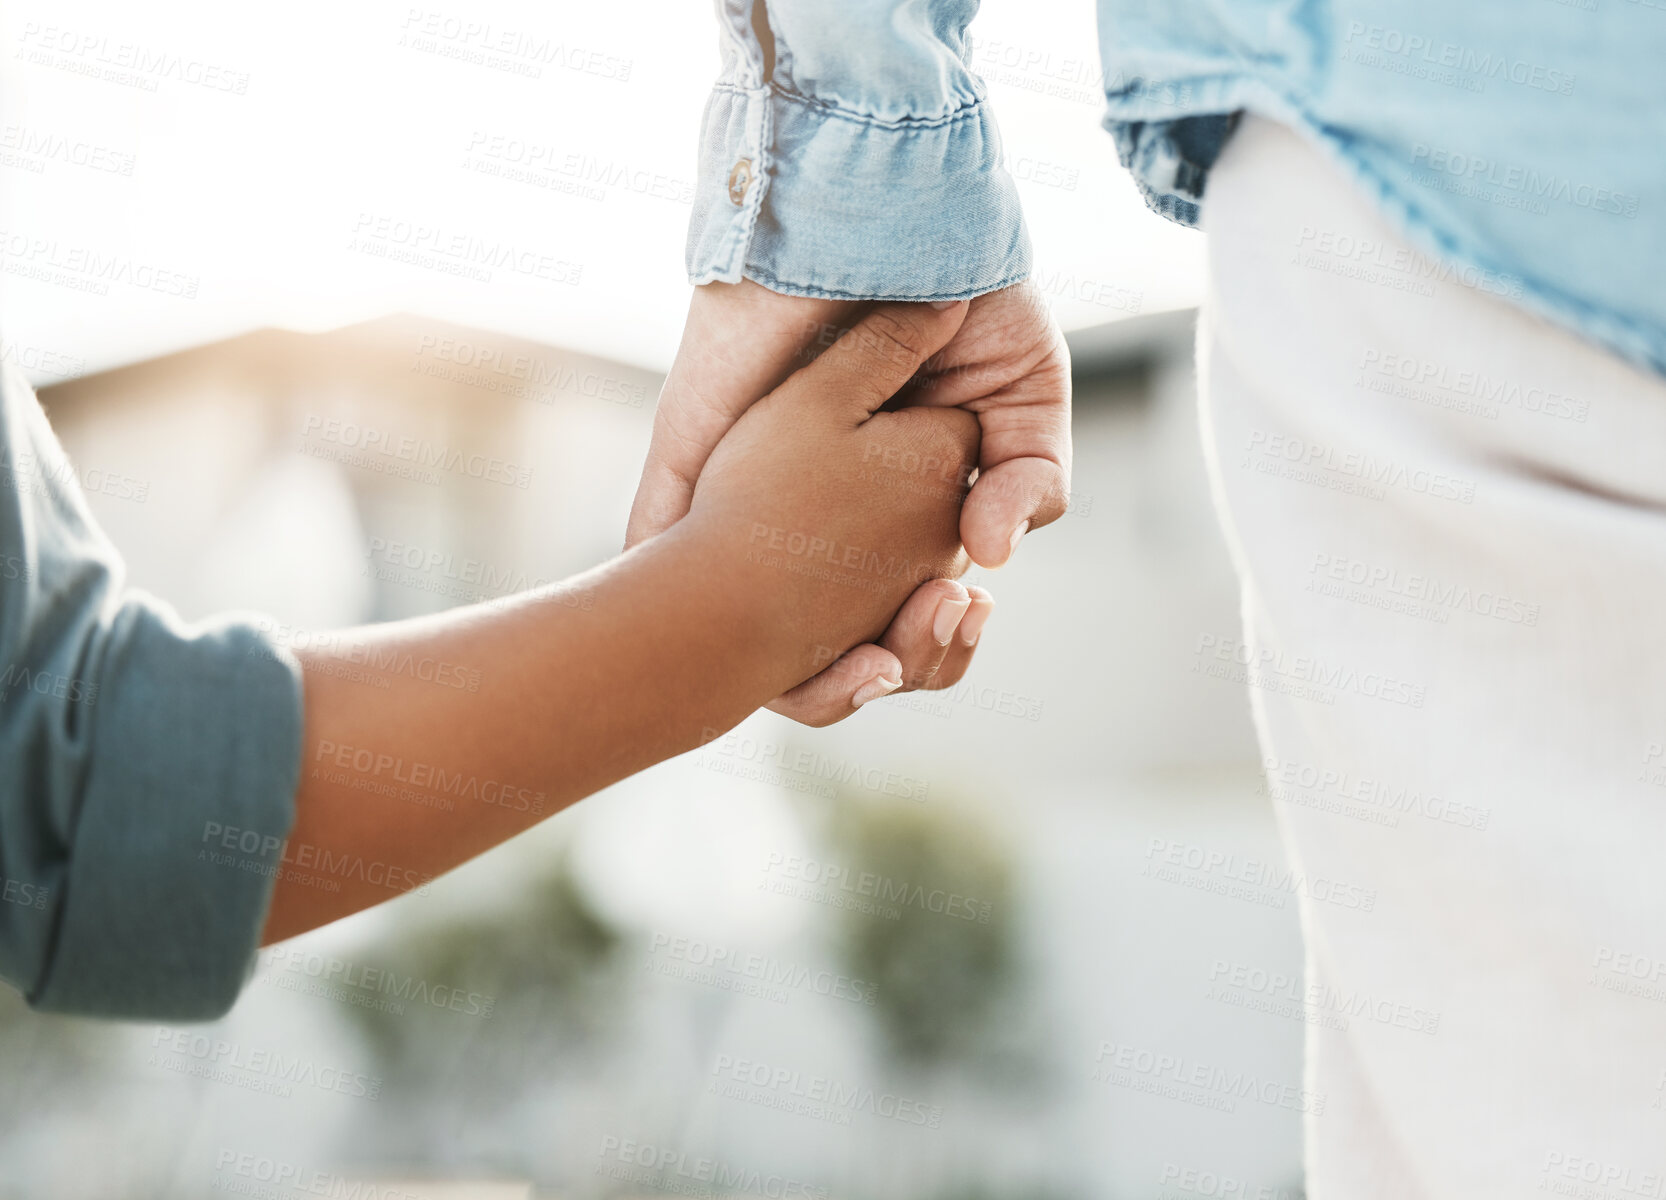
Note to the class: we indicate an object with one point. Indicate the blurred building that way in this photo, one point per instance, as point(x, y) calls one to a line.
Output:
point(677, 986)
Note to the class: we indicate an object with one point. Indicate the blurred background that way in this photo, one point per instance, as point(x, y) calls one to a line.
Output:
point(933, 952)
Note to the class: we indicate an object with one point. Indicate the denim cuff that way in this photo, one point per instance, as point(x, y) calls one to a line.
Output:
point(1171, 159)
point(812, 200)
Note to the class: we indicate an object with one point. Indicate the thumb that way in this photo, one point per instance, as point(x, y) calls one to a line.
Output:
point(878, 355)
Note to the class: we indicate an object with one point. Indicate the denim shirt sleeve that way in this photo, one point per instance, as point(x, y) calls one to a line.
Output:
point(129, 742)
point(849, 152)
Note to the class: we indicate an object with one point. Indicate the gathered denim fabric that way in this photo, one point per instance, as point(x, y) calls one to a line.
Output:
point(849, 153)
point(1521, 149)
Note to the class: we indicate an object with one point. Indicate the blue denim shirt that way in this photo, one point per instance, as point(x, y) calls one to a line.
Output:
point(849, 153)
point(129, 743)
point(849, 149)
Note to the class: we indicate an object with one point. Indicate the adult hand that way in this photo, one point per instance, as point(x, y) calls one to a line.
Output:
point(1008, 364)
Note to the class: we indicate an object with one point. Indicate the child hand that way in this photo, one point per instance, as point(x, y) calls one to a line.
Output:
point(834, 511)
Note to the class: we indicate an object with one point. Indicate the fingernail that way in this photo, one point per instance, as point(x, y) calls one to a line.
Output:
point(944, 305)
point(1017, 536)
point(873, 689)
point(947, 619)
point(973, 625)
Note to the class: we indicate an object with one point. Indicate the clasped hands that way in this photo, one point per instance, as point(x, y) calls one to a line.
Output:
point(855, 458)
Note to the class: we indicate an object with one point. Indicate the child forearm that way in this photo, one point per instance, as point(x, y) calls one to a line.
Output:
point(577, 687)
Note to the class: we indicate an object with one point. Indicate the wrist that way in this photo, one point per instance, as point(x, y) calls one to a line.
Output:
point(742, 610)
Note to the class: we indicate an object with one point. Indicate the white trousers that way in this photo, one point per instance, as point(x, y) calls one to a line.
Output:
point(1449, 520)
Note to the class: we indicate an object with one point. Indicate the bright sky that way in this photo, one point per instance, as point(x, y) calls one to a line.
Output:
point(215, 170)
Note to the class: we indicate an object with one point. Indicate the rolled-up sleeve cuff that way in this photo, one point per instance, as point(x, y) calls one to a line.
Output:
point(811, 200)
point(189, 796)
point(1171, 159)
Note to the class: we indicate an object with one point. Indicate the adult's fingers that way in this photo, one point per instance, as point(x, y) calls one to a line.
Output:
point(739, 343)
point(860, 675)
point(923, 638)
point(876, 356)
point(965, 644)
point(924, 628)
point(1008, 500)
point(1023, 478)
point(1009, 365)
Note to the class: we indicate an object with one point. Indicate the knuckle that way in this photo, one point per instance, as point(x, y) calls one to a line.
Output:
point(888, 336)
point(945, 675)
point(921, 679)
point(953, 432)
point(1052, 502)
